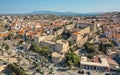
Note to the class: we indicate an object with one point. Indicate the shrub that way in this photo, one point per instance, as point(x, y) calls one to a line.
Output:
point(16, 69)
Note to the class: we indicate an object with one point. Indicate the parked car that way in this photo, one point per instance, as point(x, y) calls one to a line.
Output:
point(81, 72)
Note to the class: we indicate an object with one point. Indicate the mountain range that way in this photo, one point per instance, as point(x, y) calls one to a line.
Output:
point(57, 13)
point(65, 13)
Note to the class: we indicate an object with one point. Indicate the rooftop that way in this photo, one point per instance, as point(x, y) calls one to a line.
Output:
point(103, 63)
point(76, 33)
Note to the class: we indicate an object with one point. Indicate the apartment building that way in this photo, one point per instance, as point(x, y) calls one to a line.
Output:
point(99, 63)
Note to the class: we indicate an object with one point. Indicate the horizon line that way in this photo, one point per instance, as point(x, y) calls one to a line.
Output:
point(58, 12)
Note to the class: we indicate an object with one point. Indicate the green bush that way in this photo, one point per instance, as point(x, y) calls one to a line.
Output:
point(71, 59)
point(90, 47)
point(16, 69)
point(90, 56)
point(42, 51)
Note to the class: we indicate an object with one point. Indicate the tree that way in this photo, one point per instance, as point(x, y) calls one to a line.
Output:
point(7, 47)
point(34, 47)
point(72, 59)
point(71, 50)
point(103, 47)
point(69, 64)
point(118, 70)
point(90, 47)
point(3, 44)
point(45, 51)
point(17, 70)
point(42, 51)
point(90, 56)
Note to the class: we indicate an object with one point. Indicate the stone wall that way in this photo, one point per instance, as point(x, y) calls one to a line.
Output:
point(83, 41)
point(49, 44)
point(61, 47)
point(71, 26)
point(85, 30)
point(60, 31)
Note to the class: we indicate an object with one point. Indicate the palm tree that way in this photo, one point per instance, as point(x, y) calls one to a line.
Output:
point(7, 47)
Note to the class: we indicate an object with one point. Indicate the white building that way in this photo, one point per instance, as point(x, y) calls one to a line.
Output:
point(99, 63)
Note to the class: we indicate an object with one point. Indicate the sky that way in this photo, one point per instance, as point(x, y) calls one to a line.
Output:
point(79, 6)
